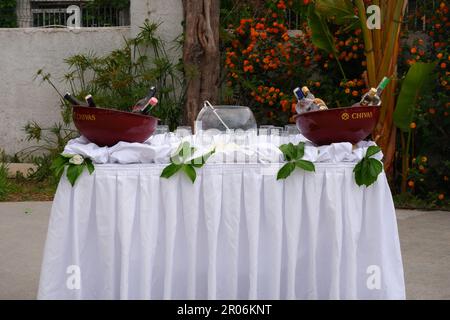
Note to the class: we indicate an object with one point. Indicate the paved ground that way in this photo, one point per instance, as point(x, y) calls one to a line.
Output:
point(425, 242)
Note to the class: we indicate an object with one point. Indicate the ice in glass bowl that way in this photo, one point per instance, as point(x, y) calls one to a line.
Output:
point(234, 117)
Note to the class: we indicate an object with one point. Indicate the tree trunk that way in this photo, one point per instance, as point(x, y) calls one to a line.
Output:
point(201, 56)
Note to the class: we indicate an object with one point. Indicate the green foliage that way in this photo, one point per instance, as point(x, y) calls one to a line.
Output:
point(293, 154)
point(183, 160)
point(321, 35)
point(117, 80)
point(74, 170)
point(368, 169)
point(5, 184)
point(124, 76)
point(8, 17)
point(339, 11)
point(419, 78)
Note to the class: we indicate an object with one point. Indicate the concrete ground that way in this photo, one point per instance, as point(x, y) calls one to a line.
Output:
point(424, 236)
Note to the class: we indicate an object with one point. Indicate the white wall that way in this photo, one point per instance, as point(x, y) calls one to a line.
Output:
point(24, 51)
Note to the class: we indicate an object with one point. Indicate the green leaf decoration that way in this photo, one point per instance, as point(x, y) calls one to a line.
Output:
point(372, 150)
point(286, 170)
point(182, 162)
point(293, 154)
point(305, 165)
point(170, 170)
point(58, 165)
point(200, 161)
point(419, 78)
point(368, 169)
point(89, 165)
point(73, 172)
point(190, 172)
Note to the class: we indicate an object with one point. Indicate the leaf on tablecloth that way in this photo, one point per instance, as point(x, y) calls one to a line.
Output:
point(305, 165)
point(286, 170)
point(368, 169)
point(293, 154)
point(190, 172)
point(89, 165)
point(170, 170)
point(181, 160)
point(73, 170)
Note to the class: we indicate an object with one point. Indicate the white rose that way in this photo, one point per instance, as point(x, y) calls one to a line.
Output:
point(76, 159)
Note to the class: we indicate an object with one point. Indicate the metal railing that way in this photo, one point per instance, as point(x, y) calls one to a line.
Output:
point(101, 17)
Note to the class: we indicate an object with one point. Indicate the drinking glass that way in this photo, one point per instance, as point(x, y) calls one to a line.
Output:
point(291, 129)
point(161, 129)
point(183, 131)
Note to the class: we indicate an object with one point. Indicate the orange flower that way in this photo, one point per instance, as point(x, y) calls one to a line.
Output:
point(347, 91)
point(413, 125)
point(441, 196)
point(424, 159)
point(259, 26)
point(411, 184)
point(432, 110)
point(443, 65)
point(355, 93)
point(413, 50)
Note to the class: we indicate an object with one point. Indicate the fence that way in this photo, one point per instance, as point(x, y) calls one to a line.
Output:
point(90, 17)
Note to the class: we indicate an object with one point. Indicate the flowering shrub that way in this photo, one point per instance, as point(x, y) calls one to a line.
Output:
point(264, 62)
point(430, 164)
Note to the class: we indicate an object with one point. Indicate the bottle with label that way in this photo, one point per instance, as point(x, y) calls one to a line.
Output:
point(322, 105)
point(304, 103)
point(312, 104)
point(149, 106)
point(73, 101)
point(90, 101)
point(144, 102)
point(372, 97)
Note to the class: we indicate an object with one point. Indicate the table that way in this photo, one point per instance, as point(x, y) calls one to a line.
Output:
point(236, 233)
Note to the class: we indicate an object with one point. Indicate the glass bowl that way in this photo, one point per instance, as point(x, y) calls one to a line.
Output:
point(234, 117)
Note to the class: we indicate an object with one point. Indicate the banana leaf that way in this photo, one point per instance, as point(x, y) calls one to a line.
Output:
point(420, 77)
point(321, 35)
point(339, 11)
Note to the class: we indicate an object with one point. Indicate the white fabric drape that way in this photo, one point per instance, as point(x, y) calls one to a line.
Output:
point(229, 148)
point(237, 233)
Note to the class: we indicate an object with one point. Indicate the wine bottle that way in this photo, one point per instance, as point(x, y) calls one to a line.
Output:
point(143, 103)
point(383, 84)
point(370, 98)
point(373, 96)
point(322, 105)
point(312, 105)
point(303, 102)
point(90, 101)
point(73, 101)
point(149, 106)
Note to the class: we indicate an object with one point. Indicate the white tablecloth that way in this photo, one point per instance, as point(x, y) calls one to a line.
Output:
point(236, 233)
